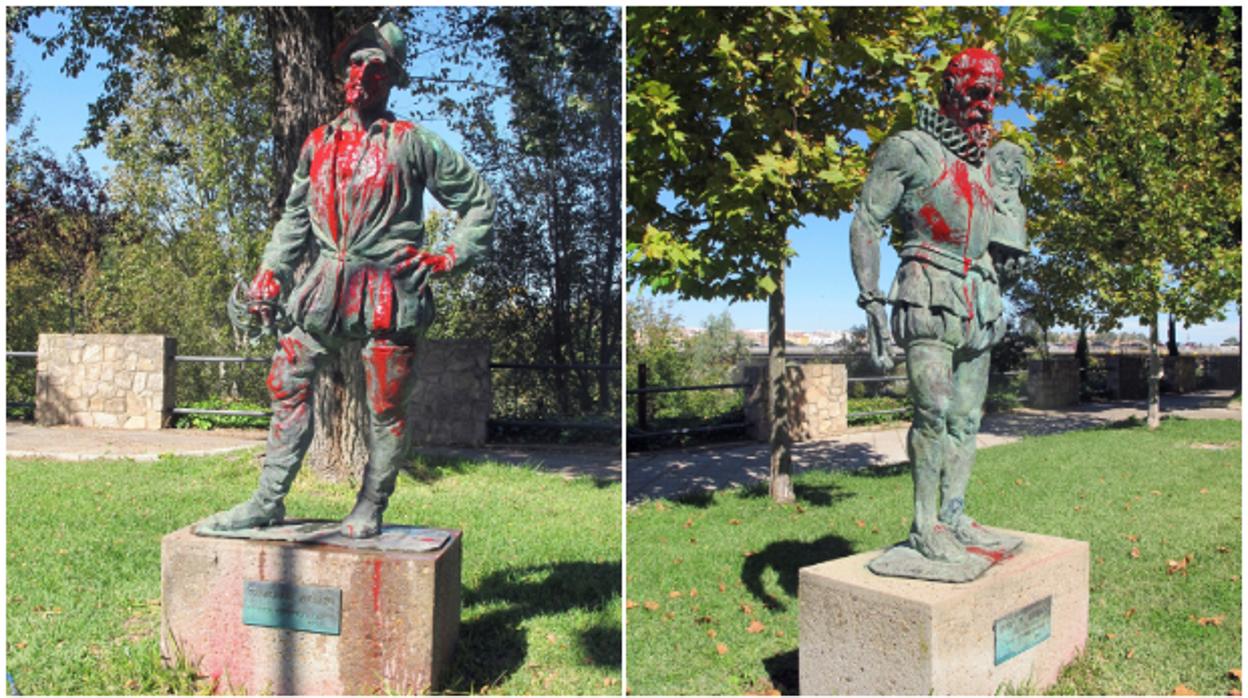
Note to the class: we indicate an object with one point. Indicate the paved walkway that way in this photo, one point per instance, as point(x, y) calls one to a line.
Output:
point(665, 474)
point(25, 440)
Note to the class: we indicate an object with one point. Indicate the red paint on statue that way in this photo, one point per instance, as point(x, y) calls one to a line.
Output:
point(383, 306)
point(936, 223)
point(387, 367)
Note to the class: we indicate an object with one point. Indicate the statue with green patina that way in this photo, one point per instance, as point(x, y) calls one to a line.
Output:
point(954, 201)
point(355, 213)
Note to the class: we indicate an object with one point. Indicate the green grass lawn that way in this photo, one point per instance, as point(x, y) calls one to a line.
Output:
point(712, 583)
point(541, 571)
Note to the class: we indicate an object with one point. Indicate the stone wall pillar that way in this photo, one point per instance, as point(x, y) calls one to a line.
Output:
point(1052, 383)
point(105, 380)
point(818, 401)
point(451, 399)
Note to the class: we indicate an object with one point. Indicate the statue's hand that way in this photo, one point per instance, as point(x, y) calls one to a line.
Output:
point(264, 292)
point(422, 260)
point(878, 337)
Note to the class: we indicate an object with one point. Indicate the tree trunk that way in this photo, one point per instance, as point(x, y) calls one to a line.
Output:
point(781, 441)
point(1154, 375)
point(306, 95)
point(1172, 340)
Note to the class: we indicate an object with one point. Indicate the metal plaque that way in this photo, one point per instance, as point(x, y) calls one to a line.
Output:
point(1022, 629)
point(277, 605)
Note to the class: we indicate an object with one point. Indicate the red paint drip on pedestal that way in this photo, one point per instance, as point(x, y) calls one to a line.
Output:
point(376, 586)
point(995, 556)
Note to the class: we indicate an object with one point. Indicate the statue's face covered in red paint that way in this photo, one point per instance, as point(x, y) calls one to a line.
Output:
point(368, 80)
point(972, 83)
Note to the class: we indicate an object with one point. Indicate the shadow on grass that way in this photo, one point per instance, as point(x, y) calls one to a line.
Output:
point(782, 670)
point(493, 646)
point(812, 495)
point(786, 557)
point(891, 470)
point(426, 469)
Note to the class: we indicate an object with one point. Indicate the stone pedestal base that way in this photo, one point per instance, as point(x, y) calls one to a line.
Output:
point(395, 631)
point(1018, 624)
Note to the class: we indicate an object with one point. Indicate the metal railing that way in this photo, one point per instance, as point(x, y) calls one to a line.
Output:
point(644, 390)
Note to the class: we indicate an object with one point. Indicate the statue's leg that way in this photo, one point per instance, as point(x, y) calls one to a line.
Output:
point(290, 384)
point(388, 374)
point(965, 411)
point(929, 365)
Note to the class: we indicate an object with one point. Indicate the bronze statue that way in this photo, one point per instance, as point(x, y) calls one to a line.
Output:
point(356, 211)
point(955, 203)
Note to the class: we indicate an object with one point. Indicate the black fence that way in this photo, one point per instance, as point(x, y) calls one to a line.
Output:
point(532, 398)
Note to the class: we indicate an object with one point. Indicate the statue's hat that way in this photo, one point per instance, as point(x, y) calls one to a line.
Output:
point(381, 34)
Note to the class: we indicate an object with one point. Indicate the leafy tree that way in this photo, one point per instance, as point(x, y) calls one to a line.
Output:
point(1137, 193)
point(744, 119)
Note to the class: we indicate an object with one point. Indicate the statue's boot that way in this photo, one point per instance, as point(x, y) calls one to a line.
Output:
point(938, 543)
point(290, 434)
point(387, 371)
point(264, 508)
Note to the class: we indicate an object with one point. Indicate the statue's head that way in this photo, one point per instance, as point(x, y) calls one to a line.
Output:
point(370, 62)
point(969, 90)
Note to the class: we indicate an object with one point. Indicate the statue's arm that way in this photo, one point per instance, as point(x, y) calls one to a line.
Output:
point(885, 185)
point(1009, 173)
point(457, 185)
point(289, 241)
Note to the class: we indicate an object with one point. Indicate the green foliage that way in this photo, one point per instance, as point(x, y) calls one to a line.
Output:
point(222, 421)
point(742, 552)
point(742, 120)
point(710, 357)
point(1137, 190)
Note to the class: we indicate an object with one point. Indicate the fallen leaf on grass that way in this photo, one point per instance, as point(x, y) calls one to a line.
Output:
point(551, 638)
point(1223, 549)
point(747, 609)
point(1133, 538)
point(651, 605)
point(1135, 552)
point(722, 588)
point(1234, 692)
point(1215, 621)
point(658, 506)
point(1156, 493)
point(1204, 490)
point(20, 645)
point(673, 594)
point(704, 619)
point(1173, 566)
point(1182, 690)
point(630, 604)
point(734, 522)
point(670, 615)
point(779, 633)
point(755, 627)
point(1236, 674)
point(688, 523)
point(1111, 636)
point(610, 681)
point(1130, 653)
point(721, 648)
point(861, 523)
point(747, 553)
point(711, 633)
point(1019, 482)
point(1130, 612)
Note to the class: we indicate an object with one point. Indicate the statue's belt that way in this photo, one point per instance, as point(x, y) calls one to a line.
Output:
point(945, 260)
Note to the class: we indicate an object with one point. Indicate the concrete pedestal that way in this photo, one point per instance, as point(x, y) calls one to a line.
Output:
point(1018, 624)
point(395, 631)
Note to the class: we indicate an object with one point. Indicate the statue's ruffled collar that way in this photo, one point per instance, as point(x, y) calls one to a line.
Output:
point(942, 128)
